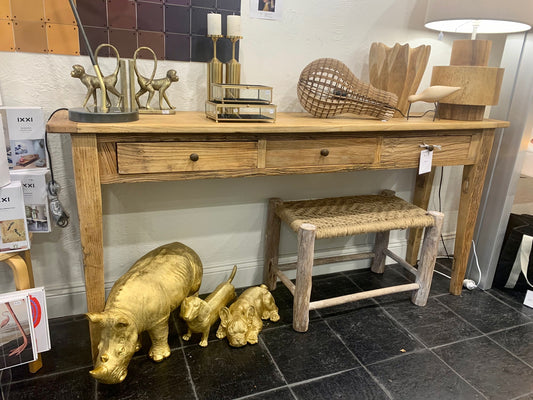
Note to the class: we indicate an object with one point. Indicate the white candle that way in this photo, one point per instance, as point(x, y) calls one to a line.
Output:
point(214, 24)
point(234, 25)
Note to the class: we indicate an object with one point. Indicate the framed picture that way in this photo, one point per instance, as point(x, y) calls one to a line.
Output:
point(266, 9)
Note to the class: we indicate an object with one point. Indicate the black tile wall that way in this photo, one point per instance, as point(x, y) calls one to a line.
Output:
point(121, 14)
point(112, 21)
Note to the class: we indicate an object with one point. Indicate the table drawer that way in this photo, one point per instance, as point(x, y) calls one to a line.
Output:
point(140, 158)
point(320, 152)
point(405, 152)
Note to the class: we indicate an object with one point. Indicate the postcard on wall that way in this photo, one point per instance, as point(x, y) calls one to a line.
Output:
point(266, 9)
point(17, 337)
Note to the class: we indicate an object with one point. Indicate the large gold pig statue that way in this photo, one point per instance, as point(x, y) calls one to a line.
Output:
point(242, 321)
point(142, 300)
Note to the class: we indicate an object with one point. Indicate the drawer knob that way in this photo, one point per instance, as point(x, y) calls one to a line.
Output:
point(324, 152)
point(194, 157)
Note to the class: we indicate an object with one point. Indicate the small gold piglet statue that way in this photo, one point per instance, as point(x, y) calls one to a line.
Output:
point(142, 300)
point(201, 314)
point(242, 321)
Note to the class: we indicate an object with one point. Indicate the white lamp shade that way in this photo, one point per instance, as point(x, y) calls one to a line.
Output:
point(482, 16)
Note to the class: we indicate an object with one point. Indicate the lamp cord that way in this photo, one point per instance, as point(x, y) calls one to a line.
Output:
point(59, 215)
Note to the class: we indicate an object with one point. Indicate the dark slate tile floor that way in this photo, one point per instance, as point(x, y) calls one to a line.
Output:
point(475, 346)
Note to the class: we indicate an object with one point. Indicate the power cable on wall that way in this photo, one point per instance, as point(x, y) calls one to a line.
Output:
point(467, 283)
point(59, 215)
point(440, 210)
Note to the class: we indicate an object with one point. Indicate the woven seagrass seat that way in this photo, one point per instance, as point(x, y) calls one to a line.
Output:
point(347, 216)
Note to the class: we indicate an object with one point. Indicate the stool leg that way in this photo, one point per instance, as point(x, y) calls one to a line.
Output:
point(304, 272)
point(381, 244)
point(428, 257)
point(26, 255)
point(20, 272)
point(273, 227)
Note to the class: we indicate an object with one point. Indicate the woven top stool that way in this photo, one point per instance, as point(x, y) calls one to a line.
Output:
point(347, 216)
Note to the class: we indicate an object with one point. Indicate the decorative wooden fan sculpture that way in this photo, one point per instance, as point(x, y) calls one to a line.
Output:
point(327, 87)
point(398, 69)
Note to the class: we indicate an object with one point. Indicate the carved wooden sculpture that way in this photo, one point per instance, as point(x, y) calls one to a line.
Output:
point(398, 69)
point(327, 87)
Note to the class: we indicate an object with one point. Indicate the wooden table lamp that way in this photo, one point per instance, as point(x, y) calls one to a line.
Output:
point(469, 60)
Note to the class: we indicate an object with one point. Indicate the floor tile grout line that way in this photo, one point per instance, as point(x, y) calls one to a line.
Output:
point(457, 342)
point(508, 305)
point(253, 395)
point(182, 348)
point(510, 352)
point(460, 316)
point(458, 374)
point(374, 378)
point(265, 347)
point(318, 378)
point(509, 328)
point(522, 396)
point(427, 348)
point(474, 338)
point(51, 374)
point(397, 356)
point(431, 349)
point(189, 374)
point(389, 315)
point(479, 330)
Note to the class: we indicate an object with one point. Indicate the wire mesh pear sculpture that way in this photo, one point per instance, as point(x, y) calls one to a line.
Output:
point(327, 87)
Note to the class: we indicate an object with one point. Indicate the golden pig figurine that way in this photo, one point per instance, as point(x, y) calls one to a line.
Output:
point(241, 322)
point(201, 314)
point(142, 300)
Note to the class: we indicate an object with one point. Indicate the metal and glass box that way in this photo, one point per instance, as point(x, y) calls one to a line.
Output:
point(240, 112)
point(241, 93)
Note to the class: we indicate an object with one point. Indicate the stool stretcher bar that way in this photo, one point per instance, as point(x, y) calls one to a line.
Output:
point(335, 301)
point(401, 261)
point(330, 260)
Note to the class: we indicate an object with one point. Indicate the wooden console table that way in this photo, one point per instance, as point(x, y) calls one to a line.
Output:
point(189, 146)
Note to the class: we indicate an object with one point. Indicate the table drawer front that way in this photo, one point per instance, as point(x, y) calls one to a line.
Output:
point(405, 152)
point(321, 152)
point(160, 157)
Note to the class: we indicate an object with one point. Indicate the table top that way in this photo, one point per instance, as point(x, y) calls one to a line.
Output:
point(196, 122)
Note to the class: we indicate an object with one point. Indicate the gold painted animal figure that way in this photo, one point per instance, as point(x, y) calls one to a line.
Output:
point(201, 314)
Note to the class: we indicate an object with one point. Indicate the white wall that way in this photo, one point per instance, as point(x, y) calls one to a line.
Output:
point(223, 220)
point(508, 152)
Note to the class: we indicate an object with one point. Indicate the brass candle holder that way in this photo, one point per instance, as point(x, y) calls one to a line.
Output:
point(214, 68)
point(233, 68)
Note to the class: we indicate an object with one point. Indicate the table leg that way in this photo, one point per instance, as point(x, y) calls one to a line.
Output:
point(471, 190)
point(423, 186)
point(89, 200)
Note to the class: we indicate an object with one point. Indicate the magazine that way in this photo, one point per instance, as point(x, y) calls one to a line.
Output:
point(17, 336)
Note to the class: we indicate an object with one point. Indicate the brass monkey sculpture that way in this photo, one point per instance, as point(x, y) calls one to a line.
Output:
point(152, 85)
point(92, 82)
